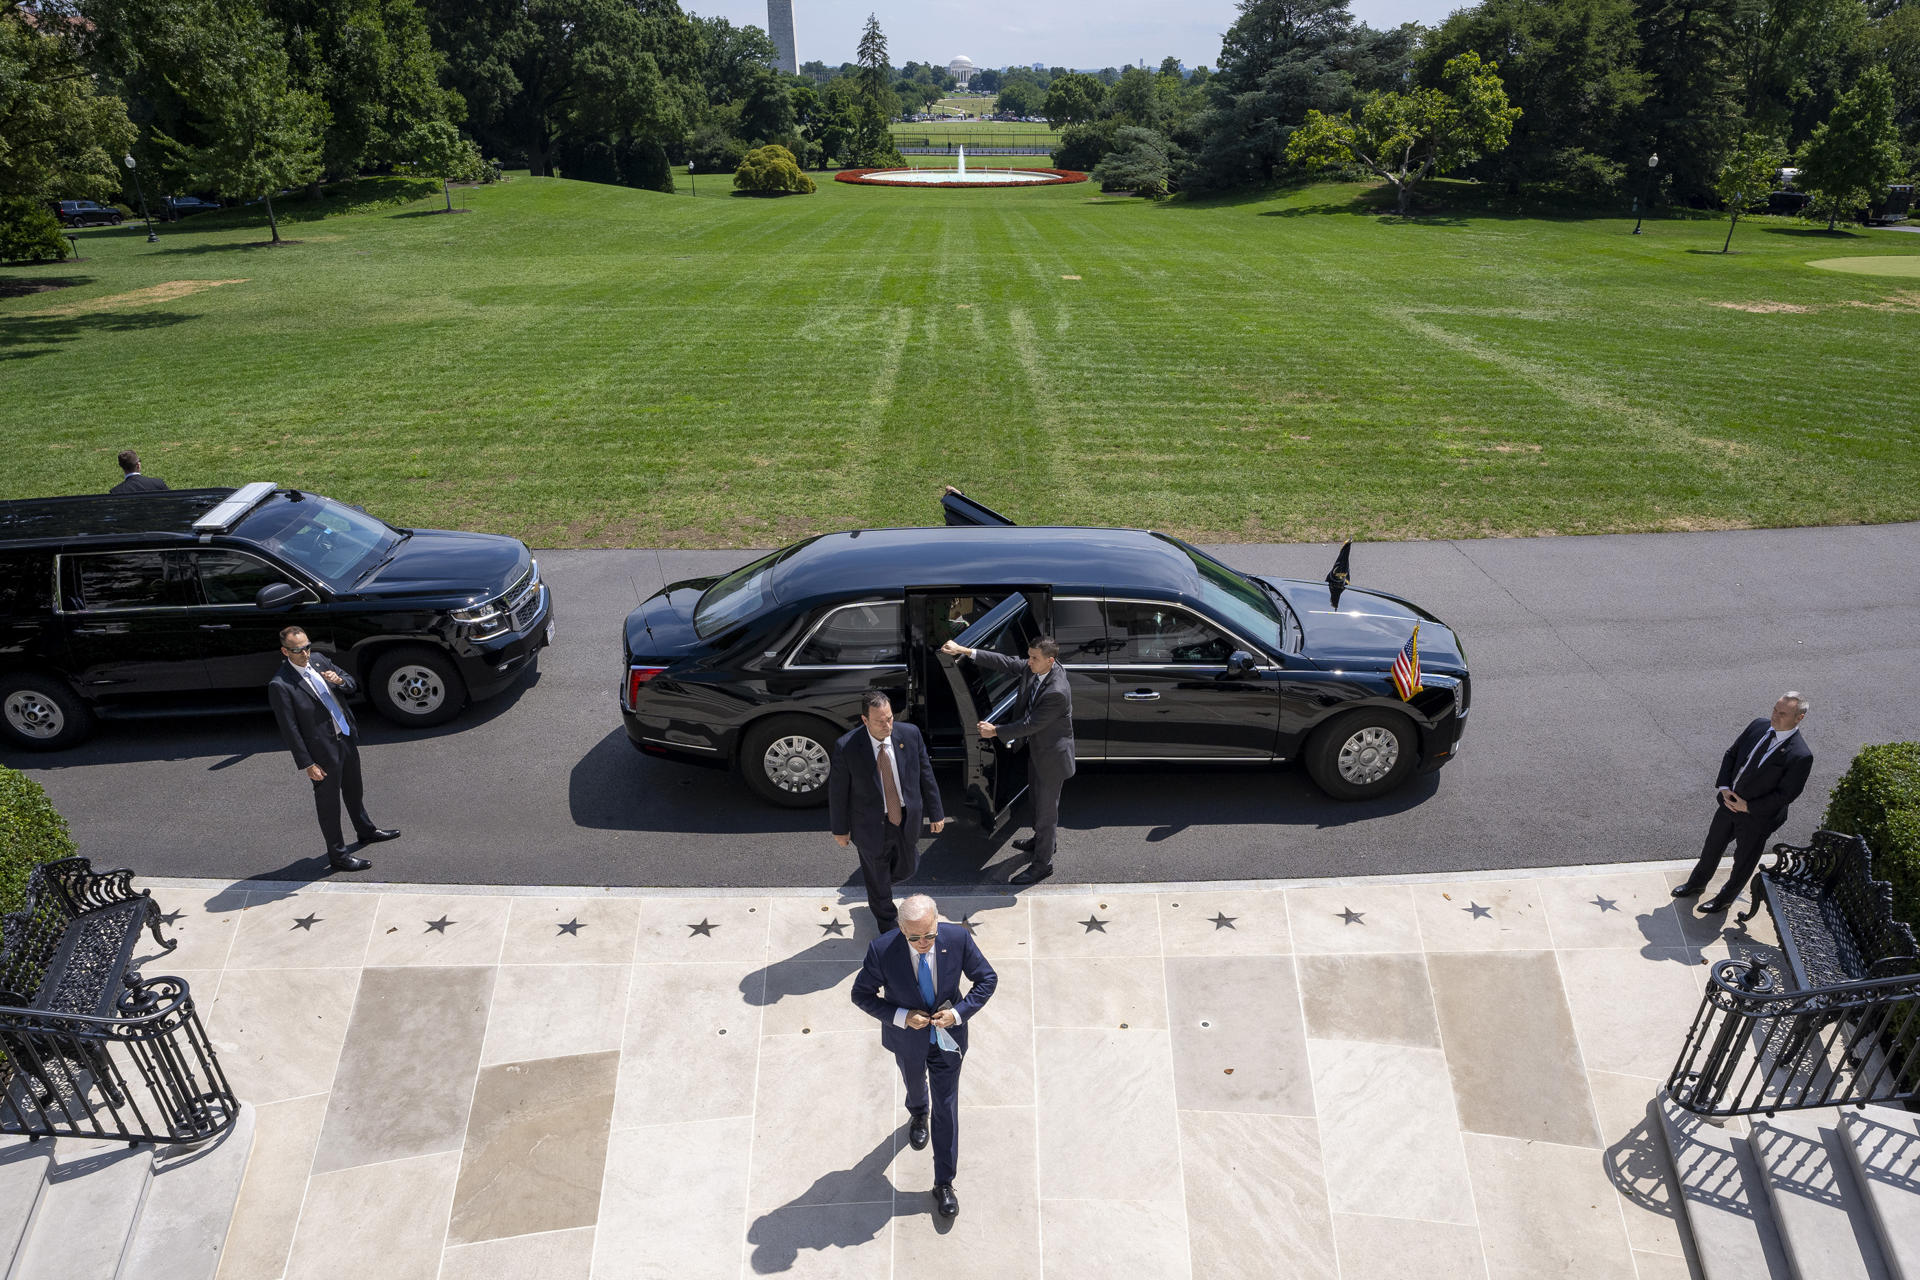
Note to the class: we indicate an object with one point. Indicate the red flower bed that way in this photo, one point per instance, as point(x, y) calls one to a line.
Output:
point(859, 177)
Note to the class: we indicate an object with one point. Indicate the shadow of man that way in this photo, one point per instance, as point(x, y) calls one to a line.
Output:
point(841, 1210)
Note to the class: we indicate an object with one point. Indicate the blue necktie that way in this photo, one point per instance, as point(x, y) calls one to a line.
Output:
point(926, 993)
point(319, 686)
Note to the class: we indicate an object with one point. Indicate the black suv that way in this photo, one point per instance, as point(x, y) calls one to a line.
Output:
point(172, 602)
point(85, 213)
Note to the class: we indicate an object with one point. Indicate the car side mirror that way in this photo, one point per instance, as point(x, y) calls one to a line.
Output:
point(278, 595)
point(1241, 663)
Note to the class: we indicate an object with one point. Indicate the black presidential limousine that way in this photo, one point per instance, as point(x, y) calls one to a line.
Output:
point(1172, 656)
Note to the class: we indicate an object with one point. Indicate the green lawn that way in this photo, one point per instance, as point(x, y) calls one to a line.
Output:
point(593, 366)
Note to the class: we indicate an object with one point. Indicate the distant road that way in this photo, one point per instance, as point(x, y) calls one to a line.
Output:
point(1609, 675)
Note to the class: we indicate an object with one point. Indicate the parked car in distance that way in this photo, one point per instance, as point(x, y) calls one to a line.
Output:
point(86, 213)
point(174, 208)
point(1172, 656)
point(172, 603)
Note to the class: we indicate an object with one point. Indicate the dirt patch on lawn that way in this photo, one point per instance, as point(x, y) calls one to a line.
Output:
point(1768, 308)
point(171, 291)
point(1905, 300)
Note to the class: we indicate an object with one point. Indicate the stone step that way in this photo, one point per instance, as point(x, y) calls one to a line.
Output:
point(1723, 1193)
point(188, 1207)
point(87, 1211)
point(1883, 1147)
point(1821, 1215)
point(23, 1180)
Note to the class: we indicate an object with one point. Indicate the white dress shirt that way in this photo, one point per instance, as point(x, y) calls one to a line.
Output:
point(1762, 749)
point(328, 698)
point(888, 762)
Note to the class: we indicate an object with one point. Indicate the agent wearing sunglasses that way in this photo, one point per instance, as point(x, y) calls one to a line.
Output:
point(911, 983)
point(309, 696)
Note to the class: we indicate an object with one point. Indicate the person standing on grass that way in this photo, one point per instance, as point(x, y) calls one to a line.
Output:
point(131, 480)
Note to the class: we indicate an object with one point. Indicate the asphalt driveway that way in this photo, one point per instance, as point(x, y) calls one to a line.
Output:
point(1610, 673)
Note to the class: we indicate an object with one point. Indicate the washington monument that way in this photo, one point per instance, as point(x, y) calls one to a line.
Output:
point(780, 27)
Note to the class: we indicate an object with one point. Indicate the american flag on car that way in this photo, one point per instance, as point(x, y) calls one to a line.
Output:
point(1406, 666)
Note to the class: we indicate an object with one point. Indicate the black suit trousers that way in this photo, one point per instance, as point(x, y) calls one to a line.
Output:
point(342, 783)
point(1749, 840)
point(935, 1072)
point(895, 859)
point(1044, 795)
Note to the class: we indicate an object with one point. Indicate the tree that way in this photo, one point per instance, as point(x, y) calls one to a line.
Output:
point(436, 149)
point(872, 143)
point(1405, 137)
point(1142, 160)
point(1074, 98)
point(1746, 174)
point(259, 133)
point(1690, 50)
point(771, 171)
point(1855, 152)
point(1020, 95)
point(59, 136)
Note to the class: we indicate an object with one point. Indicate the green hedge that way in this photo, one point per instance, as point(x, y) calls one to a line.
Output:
point(1879, 798)
point(31, 832)
point(29, 232)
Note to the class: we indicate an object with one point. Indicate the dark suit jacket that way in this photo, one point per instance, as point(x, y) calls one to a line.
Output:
point(1042, 718)
point(889, 980)
point(305, 723)
point(139, 484)
point(856, 804)
point(1778, 781)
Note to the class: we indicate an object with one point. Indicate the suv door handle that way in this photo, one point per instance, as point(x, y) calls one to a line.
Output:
point(1141, 695)
point(216, 626)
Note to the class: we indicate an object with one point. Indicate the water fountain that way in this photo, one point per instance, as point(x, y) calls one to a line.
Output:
point(959, 177)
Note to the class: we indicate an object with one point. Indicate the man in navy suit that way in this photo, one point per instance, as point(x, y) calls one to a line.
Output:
point(1762, 773)
point(911, 983)
point(309, 699)
point(881, 785)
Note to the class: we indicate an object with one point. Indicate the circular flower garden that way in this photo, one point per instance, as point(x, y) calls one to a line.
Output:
point(947, 178)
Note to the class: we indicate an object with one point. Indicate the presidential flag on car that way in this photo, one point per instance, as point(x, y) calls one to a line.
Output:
point(1339, 579)
point(1406, 666)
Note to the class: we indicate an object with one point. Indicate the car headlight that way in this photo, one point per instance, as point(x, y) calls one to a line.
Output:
point(482, 620)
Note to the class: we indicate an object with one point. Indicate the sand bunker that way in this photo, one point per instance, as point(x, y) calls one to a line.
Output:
point(171, 291)
point(1890, 265)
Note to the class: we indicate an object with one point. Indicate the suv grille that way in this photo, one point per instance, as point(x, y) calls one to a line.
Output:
point(522, 600)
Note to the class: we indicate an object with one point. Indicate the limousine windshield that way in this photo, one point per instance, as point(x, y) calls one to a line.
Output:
point(1251, 611)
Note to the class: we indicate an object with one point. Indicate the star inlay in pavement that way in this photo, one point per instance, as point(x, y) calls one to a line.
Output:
point(172, 917)
point(838, 928)
point(703, 929)
point(1354, 917)
point(1093, 924)
point(1605, 904)
point(1478, 912)
point(1224, 921)
point(571, 928)
point(440, 925)
point(307, 922)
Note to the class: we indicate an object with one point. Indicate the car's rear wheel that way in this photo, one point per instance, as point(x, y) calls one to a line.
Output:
point(415, 687)
point(41, 713)
point(786, 760)
point(1363, 754)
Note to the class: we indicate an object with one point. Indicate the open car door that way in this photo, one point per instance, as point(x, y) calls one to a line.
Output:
point(996, 774)
point(959, 509)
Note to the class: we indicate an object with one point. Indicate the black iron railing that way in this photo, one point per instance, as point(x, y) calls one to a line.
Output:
point(145, 1074)
point(1755, 1048)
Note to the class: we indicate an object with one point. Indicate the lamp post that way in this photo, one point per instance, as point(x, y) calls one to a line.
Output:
point(151, 237)
point(690, 181)
point(1653, 162)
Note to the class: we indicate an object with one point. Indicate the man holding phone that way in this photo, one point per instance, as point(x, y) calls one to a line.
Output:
point(309, 697)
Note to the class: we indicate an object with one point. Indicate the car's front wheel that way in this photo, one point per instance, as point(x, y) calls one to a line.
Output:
point(786, 760)
point(41, 713)
point(415, 687)
point(1363, 754)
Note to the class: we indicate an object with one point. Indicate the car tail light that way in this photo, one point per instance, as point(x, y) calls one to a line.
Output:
point(637, 676)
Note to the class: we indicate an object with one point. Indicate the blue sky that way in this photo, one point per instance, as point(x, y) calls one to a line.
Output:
point(994, 33)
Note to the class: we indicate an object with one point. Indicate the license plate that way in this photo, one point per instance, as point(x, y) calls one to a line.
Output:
point(549, 630)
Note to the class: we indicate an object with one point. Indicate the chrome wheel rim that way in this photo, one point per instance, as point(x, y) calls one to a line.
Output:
point(1369, 755)
point(34, 715)
point(796, 764)
point(416, 689)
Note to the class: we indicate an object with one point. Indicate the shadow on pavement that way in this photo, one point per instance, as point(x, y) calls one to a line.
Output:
point(839, 1211)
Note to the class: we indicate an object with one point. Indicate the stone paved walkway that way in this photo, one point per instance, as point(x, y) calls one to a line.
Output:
point(1372, 1078)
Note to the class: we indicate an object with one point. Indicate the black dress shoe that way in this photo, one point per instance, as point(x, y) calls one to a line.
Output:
point(1720, 902)
point(917, 1131)
point(1032, 875)
point(347, 862)
point(945, 1201)
point(1024, 844)
point(1687, 890)
point(378, 834)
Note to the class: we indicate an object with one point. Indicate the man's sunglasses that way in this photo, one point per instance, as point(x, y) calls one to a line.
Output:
point(297, 648)
point(920, 937)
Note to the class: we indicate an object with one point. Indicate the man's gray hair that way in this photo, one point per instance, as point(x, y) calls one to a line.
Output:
point(918, 907)
point(1800, 699)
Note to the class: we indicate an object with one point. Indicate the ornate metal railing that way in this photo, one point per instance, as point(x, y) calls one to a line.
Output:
point(145, 1074)
point(1754, 1048)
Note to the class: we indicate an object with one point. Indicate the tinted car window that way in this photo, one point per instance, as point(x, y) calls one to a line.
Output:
point(1011, 638)
point(334, 543)
point(227, 577)
point(26, 583)
point(128, 580)
point(738, 596)
point(854, 635)
point(1163, 635)
point(1080, 631)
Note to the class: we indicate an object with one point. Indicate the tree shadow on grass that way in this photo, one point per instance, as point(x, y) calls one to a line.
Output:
point(196, 250)
point(427, 213)
point(1818, 233)
point(23, 337)
point(24, 286)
